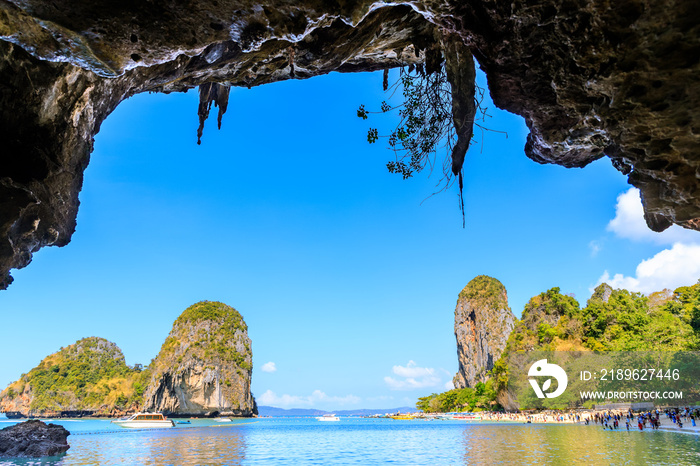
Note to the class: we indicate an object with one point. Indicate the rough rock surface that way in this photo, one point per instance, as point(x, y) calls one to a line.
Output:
point(603, 293)
point(591, 78)
point(483, 322)
point(204, 366)
point(33, 439)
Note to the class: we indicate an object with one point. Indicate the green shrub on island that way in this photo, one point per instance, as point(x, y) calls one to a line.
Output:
point(480, 398)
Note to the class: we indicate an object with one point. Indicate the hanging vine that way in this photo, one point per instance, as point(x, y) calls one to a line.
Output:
point(441, 105)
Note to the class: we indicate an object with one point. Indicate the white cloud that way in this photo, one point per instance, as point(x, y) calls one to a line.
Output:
point(411, 383)
point(411, 370)
point(595, 247)
point(270, 398)
point(670, 268)
point(412, 377)
point(449, 385)
point(269, 367)
point(629, 223)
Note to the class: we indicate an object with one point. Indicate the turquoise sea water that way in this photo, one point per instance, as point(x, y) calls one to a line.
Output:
point(355, 441)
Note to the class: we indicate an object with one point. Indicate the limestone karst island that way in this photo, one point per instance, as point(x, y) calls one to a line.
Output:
point(202, 370)
point(455, 232)
point(492, 346)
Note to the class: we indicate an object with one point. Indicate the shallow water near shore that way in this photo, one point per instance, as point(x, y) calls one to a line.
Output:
point(305, 441)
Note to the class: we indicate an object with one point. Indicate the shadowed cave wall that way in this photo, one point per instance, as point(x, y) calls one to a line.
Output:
point(591, 78)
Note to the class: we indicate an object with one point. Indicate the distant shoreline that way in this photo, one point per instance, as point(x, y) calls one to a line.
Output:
point(666, 424)
point(99, 415)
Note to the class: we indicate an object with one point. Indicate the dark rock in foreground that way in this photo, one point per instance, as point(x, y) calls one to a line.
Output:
point(33, 439)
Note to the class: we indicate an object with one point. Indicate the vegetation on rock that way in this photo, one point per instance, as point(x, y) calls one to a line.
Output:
point(485, 288)
point(204, 365)
point(89, 375)
point(219, 346)
point(480, 398)
point(483, 321)
point(612, 320)
point(425, 120)
point(92, 376)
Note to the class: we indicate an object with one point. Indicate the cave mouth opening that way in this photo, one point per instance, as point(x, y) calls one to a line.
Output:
point(63, 73)
point(288, 214)
point(273, 172)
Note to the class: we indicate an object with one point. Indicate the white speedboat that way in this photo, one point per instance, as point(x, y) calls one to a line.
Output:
point(467, 417)
point(145, 420)
point(328, 417)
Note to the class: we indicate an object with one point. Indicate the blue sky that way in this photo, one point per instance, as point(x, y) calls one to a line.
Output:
point(346, 275)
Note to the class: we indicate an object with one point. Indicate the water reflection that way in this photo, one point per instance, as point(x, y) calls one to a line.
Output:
point(295, 442)
point(223, 446)
point(211, 446)
point(571, 444)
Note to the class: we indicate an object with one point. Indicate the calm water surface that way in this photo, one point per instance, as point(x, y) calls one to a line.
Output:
point(303, 441)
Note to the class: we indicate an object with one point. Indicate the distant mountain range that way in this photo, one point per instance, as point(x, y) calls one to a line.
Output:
point(279, 412)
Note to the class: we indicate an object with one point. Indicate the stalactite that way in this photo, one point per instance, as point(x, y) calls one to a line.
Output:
point(211, 93)
point(433, 59)
point(461, 75)
point(291, 61)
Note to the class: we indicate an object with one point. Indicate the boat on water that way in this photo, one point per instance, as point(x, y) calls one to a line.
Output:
point(402, 417)
point(223, 419)
point(145, 421)
point(328, 417)
point(467, 417)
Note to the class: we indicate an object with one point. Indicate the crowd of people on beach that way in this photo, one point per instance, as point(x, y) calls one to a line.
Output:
point(647, 419)
point(609, 420)
point(541, 417)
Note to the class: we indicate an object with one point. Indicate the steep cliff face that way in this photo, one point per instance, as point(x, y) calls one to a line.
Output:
point(591, 78)
point(87, 377)
point(483, 322)
point(204, 366)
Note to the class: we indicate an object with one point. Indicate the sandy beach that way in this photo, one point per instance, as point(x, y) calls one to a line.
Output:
point(552, 417)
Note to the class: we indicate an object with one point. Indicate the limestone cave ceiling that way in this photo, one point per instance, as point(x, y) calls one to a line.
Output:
point(591, 78)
